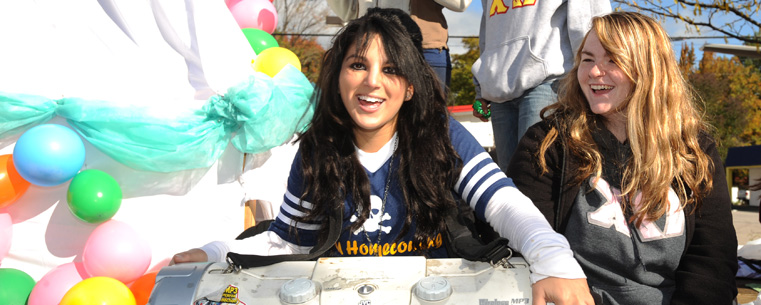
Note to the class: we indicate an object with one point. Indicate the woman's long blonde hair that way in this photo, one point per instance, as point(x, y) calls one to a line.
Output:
point(662, 125)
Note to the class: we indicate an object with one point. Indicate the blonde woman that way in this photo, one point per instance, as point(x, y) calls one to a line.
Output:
point(624, 167)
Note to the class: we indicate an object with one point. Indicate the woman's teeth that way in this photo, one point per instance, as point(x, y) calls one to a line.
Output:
point(596, 88)
point(369, 99)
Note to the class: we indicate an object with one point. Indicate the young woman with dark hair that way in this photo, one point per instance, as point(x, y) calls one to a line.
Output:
point(382, 149)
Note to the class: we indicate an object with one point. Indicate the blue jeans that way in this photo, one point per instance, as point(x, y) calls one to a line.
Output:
point(439, 60)
point(511, 119)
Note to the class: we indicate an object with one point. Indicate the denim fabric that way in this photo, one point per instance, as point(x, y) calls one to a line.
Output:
point(439, 60)
point(511, 119)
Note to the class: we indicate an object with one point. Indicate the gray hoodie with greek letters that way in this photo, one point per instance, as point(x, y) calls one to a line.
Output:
point(524, 43)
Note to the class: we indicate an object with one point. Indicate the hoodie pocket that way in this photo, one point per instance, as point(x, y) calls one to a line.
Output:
point(506, 71)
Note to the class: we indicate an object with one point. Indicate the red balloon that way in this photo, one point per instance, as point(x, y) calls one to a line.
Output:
point(12, 185)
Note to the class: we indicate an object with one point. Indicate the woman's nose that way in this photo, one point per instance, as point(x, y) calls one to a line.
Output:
point(596, 71)
point(373, 77)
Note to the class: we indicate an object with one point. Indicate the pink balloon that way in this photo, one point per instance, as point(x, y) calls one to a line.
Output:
point(231, 3)
point(53, 285)
point(116, 250)
point(257, 14)
point(6, 233)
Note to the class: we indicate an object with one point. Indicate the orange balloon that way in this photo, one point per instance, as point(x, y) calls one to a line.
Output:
point(143, 286)
point(12, 185)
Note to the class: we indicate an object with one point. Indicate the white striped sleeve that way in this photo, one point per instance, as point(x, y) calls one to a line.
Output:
point(291, 208)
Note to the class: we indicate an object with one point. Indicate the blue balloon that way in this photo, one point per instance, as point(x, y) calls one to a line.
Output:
point(48, 154)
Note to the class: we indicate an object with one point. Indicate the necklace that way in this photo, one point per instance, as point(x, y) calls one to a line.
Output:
point(383, 202)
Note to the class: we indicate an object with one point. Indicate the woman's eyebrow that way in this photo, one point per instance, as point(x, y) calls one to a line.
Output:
point(354, 56)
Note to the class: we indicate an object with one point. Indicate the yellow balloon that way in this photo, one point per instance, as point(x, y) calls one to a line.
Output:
point(99, 290)
point(273, 59)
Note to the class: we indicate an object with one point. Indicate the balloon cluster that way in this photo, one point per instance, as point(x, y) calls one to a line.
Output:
point(49, 155)
point(258, 20)
point(115, 258)
point(114, 254)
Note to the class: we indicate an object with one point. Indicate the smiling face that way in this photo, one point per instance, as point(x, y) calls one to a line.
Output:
point(604, 84)
point(372, 91)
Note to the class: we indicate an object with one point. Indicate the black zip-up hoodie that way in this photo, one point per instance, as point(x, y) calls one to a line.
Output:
point(707, 268)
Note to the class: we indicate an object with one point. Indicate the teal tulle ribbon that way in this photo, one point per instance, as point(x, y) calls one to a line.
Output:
point(254, 116)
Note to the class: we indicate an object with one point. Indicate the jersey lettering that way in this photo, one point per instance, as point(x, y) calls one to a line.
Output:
point(498, 7)
point(522, 3)
point(611, 214)
point(674, 226)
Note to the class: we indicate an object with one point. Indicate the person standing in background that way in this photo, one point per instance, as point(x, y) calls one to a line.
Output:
point(525, 48)
point(429, 16)
point(756, 187)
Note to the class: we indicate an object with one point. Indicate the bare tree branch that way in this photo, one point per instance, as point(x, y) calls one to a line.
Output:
point(301, 16)
point(741, 19)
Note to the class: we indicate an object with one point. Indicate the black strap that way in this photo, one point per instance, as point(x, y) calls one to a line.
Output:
point(256, 229)
point(335, 220)
point(753, 264)
point(466, 240)
point(463, 239)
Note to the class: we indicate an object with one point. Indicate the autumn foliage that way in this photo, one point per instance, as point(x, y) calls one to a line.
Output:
point(731, 93)
point(307, 49)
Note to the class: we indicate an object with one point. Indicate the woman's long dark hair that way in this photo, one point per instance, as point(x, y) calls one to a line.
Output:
point(428, 164)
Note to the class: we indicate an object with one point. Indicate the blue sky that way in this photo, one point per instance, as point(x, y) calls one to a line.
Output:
point(467, 24)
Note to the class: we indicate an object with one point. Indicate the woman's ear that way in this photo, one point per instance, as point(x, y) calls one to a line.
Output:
point(409, 93)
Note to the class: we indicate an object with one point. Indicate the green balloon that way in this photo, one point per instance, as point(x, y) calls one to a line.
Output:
point(15, 286)
point(94, 196)
point(259, 40)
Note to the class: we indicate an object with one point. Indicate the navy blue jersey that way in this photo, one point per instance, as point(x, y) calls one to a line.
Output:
point(479, 179)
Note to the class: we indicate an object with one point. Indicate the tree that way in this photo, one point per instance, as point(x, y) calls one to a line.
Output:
point(301, 16)
point(755, 62)
point(308, 50)
point(687, 59)
point(731, 95)
point(295, 19)
point(462, 91)
point(732, 18)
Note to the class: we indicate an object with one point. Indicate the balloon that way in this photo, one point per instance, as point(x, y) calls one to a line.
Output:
point(6, 233)
point(272, 60)
point(94, 196)
point(12, 185)
point(142, 287)
point(115, 250)
point(256, 14)
point(231, 3)
point(48, 154)
point(15, 286)
point(259, 40)
point(53, 285)
point(99, 290)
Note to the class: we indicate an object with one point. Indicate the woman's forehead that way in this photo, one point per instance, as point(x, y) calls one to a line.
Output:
point(364, 45)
